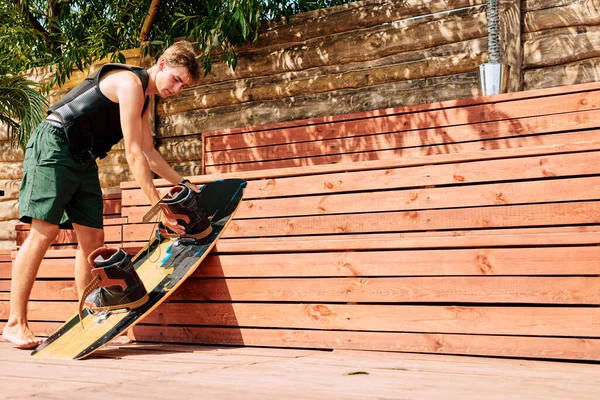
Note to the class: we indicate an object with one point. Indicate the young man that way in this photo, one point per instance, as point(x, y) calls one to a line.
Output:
point(60, 180)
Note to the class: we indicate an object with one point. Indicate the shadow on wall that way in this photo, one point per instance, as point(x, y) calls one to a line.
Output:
point(367, 56)
point(212, 312)
point(376, 135)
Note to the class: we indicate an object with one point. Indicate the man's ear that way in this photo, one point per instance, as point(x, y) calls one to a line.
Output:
point(161, 63)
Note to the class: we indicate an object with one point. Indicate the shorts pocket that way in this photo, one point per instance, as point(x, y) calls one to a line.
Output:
point(31, 156)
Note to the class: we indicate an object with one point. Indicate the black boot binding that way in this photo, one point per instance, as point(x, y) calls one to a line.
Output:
point(182, 204)
point(115, 284)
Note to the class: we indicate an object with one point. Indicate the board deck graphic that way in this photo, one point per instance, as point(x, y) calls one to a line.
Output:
point(163, 264)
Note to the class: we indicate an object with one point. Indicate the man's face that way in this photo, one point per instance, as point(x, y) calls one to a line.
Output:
point(171, 80)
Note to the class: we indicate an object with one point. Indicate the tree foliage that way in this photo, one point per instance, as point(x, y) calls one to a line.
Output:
point(22, 107)
point(72, 34)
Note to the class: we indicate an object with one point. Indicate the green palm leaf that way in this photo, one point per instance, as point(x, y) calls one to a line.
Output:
point(22, 107)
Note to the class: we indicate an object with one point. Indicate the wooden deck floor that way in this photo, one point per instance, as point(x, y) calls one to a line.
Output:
point(190, 372)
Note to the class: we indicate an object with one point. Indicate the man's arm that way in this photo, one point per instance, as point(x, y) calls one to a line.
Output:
point(131, 101)
point(155, 160)
point(138, 140)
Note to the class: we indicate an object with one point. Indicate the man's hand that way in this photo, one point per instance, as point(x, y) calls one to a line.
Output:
point(172, 224)
point(191, 186)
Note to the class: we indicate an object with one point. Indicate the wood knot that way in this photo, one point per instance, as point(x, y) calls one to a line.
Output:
point(346, 266)
point(458, 178)
point(499, 199)
point(413, 215)
point(483, 263)
point(343, 263)
point(318, 311)
point(413, 196)
point(543, 161)
point(290, 226)
point(548, 174)
point(438, 344)
point(329, 185)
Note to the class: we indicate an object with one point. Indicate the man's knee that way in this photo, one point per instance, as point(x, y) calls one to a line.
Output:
point(43, 231)
point(89, 238)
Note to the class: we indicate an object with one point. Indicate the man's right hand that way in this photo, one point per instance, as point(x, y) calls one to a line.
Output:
point(172, 224)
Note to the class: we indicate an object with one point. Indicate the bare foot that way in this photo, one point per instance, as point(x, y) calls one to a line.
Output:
point(120, 340)
point(21, 337)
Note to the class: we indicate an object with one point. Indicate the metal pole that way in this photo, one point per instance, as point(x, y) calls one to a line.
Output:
point(493, 32)
point(492, 75)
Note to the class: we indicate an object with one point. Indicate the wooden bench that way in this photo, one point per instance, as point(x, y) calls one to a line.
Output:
point(479, 236)
point(469, 228)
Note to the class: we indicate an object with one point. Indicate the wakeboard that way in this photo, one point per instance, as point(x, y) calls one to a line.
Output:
point(163, 265)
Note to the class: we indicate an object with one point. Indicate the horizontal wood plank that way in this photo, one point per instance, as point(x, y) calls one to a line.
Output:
point(480, 155)
point(550, 214)
point(488, 289)
point(424, 138)
point(397, 177)
point(416, 240)
point(492, 145)
point(571, 260)
point(542, 96)
point(410, 65)
point(112, 234)
point(437, 343)
point(5, 269)
point(479, 320)
point(520, 115)
point(536, 321)
point(485, 261)
point(587, 70)
point(550, 190)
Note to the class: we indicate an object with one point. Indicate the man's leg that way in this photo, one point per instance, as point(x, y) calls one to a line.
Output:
point(24, 271)
point(89, 239)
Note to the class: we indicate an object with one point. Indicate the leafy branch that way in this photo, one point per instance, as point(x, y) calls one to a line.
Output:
point(22, 107)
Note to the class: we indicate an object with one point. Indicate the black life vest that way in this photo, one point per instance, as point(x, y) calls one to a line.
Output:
point(92, 122)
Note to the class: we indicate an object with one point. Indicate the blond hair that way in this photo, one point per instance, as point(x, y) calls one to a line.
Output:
point(182, 54)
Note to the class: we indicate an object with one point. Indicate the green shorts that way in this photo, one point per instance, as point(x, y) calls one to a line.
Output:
point(56, 188)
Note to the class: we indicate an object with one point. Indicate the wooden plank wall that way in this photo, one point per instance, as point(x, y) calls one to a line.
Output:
point(488, 249)
point(375, 54)
point(362, 56)
point(439, 128)
point(561, 42)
